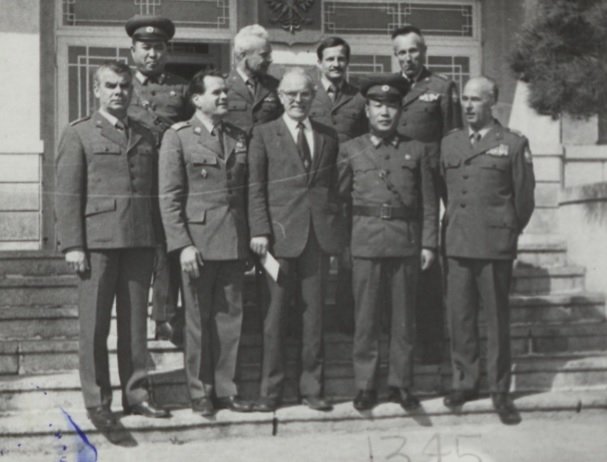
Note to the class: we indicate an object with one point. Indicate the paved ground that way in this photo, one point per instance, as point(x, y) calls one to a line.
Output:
point(554, 437)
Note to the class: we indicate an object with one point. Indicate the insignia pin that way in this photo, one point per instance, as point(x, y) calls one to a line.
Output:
point(197, 130)
point(204, 173)
point(149, 29)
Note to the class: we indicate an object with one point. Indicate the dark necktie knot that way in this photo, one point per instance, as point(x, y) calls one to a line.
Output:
point(475, 137)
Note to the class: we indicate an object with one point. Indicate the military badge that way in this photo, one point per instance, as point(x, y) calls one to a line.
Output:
point(499, 151)
point(197, 130)
point(240, 147)
point(429, 97)
point(270, 98)
point(173, 93)
point(407, 156)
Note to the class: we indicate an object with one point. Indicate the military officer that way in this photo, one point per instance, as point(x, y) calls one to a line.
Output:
point(490, 197)
point(108, 225)
point(294, 215)
point(203, 165)
point(339, 104)
point(159, 100)
point(388, 180)
point(430, 110)
point(252, 93)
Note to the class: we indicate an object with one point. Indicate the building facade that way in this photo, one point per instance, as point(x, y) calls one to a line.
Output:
point(53, 47)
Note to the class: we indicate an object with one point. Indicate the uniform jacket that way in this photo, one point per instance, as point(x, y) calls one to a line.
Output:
point(106, 186)
point(346, 115)
point(490, 193)
point(431, 108)
point(399, 176)
point(284, 201)
point(247, 110)
point(160, 104)
point(202, 192)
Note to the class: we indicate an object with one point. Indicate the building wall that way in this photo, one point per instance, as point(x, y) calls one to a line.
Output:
point(20, 139)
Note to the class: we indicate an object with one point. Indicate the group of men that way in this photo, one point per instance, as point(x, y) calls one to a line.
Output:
point(182, 183)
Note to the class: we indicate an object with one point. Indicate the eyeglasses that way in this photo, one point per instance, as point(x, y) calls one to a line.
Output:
point(292, 95)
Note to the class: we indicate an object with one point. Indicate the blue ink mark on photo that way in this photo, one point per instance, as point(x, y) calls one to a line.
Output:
point(89, 452)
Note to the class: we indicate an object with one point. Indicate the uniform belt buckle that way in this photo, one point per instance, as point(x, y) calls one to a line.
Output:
point(385, 212)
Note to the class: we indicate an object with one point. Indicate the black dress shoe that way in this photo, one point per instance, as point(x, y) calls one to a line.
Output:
point(101, 417)
point(404, 397)
point(203, 406)
point(457, 398)
point(505, 408)
point(147, 410)
point(233, 403)
point(164, 330)
point(266, 404)
point(317, 403)
point(365, 400)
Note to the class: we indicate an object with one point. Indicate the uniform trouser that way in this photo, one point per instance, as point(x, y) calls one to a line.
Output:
point(165, 286)
point(308, 272)
point(123, 274)
point(429, 311)
point(369, 276)
point(213, 324)
point(344, 299)
point(472, 283)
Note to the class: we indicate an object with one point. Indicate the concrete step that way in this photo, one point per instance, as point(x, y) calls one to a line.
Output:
point(585, 370)
point(553, 279)
point(51, 434)
point(41, 263)
point(542, 252)
point(43, 356)
point(56, 322)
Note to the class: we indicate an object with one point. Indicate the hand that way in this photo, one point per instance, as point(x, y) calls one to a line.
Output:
point(259, 245)
point(76, 260)
point(428, 257)
point(191, 259)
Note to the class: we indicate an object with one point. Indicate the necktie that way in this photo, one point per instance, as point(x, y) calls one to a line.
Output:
point(218, 134)
point(303, 147)
point(475, 137)
point(251, 85)
point(332, 92)
point(121, 127)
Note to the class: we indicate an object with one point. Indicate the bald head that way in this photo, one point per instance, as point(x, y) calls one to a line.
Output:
point(296, 91)
point(480, 95)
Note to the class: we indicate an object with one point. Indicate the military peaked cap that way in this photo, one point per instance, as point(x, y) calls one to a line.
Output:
point(384, 87)
point(150, 28)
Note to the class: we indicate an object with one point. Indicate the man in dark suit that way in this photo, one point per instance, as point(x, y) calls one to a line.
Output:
point(108, 225)
point(294, 214)
point(203, 165)
point(159, 100)
point(431, 109)
point(388, 183)
point(488, 172)
point(341, 106)
point(252, 95)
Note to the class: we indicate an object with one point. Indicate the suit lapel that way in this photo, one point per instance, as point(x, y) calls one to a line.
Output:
point(346, 94)
point(228, 145)
point(260, 93)
point(319, 144)
point(288, 145)
point(110, 132)
point(134, 135)
point(492, 139)
point(205, 140)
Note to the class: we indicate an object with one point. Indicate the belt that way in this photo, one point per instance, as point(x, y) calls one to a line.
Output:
point(385, 212)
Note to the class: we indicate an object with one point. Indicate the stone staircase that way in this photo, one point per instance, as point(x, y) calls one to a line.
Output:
point(558, 331)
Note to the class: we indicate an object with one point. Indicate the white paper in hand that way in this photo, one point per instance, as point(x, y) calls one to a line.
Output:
point(270, 265)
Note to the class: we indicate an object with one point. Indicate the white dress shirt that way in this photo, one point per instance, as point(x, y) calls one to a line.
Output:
point(292, 126)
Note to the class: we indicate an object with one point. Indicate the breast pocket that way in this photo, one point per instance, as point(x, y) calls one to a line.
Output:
point(237, 105)
point(111, 149)
point(204, 159)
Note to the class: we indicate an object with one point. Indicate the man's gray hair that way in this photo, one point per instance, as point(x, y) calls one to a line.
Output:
point(117, 67)
point(248, 38)
point(297, 71)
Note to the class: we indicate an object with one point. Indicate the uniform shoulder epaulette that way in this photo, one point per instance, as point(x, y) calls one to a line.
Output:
point(81, 119)
point(515, 132)
point(174, 79)
point(453, 130)
point(441, 76)
point(179, 125)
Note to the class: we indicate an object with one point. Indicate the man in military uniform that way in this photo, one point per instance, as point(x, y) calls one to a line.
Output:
point(203, 165)
point(341, 106)
point(388, 180)
point(430, 110)
point(108, 226)
point(159, 100)
point(294, 214)
point(252, 94)
point(490, 197)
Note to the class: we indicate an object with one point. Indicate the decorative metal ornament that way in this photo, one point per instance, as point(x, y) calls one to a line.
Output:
point(290, 15)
